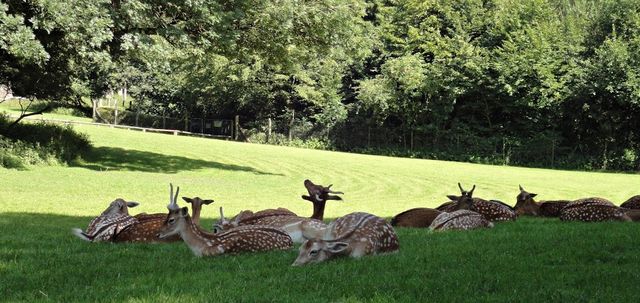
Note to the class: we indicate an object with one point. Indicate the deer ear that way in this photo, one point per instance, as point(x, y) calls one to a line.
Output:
point(207, 202)
point(188, 200)
point(184, 211)
point(307, 198)
point(132, 204)
point(453, 198)
point(532, 195)
point(337, 247)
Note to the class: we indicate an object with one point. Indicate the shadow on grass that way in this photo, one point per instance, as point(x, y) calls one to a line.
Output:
point(114, 158)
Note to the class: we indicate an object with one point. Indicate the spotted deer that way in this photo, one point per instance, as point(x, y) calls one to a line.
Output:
point(527, 206)
point(593, 210)
point(250, 238)
point(415, 217)
point(285, 219)
point(109, 223)
point(460, 220)
point(632, 203)
point(492, 210)
point(354, 235)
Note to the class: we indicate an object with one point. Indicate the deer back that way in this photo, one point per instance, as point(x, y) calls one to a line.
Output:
point(493, 210)
point(105, 228)
point(248, 239)
point(145, 229)
point(460, 220)
point(447, 206)
point(592, 210)
point(552, 208)
point(416, 217)
point(632, 203)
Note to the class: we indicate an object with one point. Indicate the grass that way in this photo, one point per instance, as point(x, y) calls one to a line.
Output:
point(527, 260)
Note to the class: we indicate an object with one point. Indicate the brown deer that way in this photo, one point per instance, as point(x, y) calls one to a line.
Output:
point(111, 221)
point(460, 220)
point(415, 217)
point(632, 203)
point(593, 210)
point(241, 239)
point(285, 219)
point(354, 235)
point(448, 206)
point(492, 210)
point(527, 206)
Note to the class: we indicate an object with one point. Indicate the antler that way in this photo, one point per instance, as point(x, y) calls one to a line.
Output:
point(221, 214)
point(521, 189)
point(461, 189)
point(173, 198)
point(471, 191)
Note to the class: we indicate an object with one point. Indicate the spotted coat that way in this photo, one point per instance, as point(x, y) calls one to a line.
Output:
point(460, 220)
point(552, 208)
point(416, 217)
point(632, 203)
point(105, 228)
point(592, 210)
point(493, 210)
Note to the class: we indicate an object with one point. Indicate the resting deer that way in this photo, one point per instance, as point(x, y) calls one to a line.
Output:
point(525, 205)
point(593, 210)
point(492, 210)
point(415, 217)
point(283, 218)
point(460, 220)
point(632, 203)
point(242, 239)
point(111, 221)
point(354, 235)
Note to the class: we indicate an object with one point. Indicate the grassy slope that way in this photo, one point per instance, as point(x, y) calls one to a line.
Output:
point(530, 259)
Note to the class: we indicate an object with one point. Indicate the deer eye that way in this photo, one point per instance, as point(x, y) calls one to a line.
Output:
point(313, 252)
point(172, 220)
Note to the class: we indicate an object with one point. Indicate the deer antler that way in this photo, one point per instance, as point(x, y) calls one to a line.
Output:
point(461, 189)
point(172, 198)
point(521, 189)
point(471, 191)
point(221, 214)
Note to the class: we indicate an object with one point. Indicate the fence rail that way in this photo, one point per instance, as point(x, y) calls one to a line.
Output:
point(128, 127)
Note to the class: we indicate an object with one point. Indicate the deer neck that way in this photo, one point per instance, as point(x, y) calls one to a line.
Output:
point(197, 239)
point(318, 210)
point(196, 214)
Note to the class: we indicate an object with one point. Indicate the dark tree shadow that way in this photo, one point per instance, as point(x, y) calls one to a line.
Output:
point(113, 158)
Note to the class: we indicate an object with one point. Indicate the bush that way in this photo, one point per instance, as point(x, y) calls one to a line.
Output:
point(39, 143)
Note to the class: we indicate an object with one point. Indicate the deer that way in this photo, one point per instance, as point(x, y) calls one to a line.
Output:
point(415, 217)
point(492, 210)
point(282, 217)
point(250, 238)
point(460, 220)
point(527, 206)
point(593, 210)
point(109, 223)
point(354, 235)
point(632, 203)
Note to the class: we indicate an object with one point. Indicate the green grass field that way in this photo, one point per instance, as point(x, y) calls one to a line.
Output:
point(527, 260)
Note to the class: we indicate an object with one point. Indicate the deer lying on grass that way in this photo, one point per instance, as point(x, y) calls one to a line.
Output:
point(281, 217)
point(492, 210)
point(593, 210)
point(460, 220)
point(354, 235)
point(241, 239)
point(415, 217)
point(632, 203)
point(525, 205)
point(109, 223)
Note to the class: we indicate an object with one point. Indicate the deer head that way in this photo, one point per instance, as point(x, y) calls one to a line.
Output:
point(176, 221)
point(465, 200)
point(525, 205)
point(316, 251)
point(196, 207)
point(119, 207)
point(222, 224)
point(318, 195)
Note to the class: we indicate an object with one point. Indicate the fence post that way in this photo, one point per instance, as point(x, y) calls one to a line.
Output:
point(269, 130)
point(293, 116)
point(115, 116)
point(236, 128)
point(164, 119)
point(94, 104)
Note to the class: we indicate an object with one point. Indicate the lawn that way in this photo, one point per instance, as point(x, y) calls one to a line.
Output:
point(531, 259)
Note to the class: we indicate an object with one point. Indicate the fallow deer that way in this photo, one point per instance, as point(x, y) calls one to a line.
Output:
point(632, 203)
point(460, 220)
point(196, 207)
point(415, 217)
point(241, 239)
point(109, 223)
point(448, 206)
point(593, 210)
point(354, 235)
point(527, 206)
point(281, 217)
point(492, 210)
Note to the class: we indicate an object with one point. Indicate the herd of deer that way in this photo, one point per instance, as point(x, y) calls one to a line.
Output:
point(355, 235)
